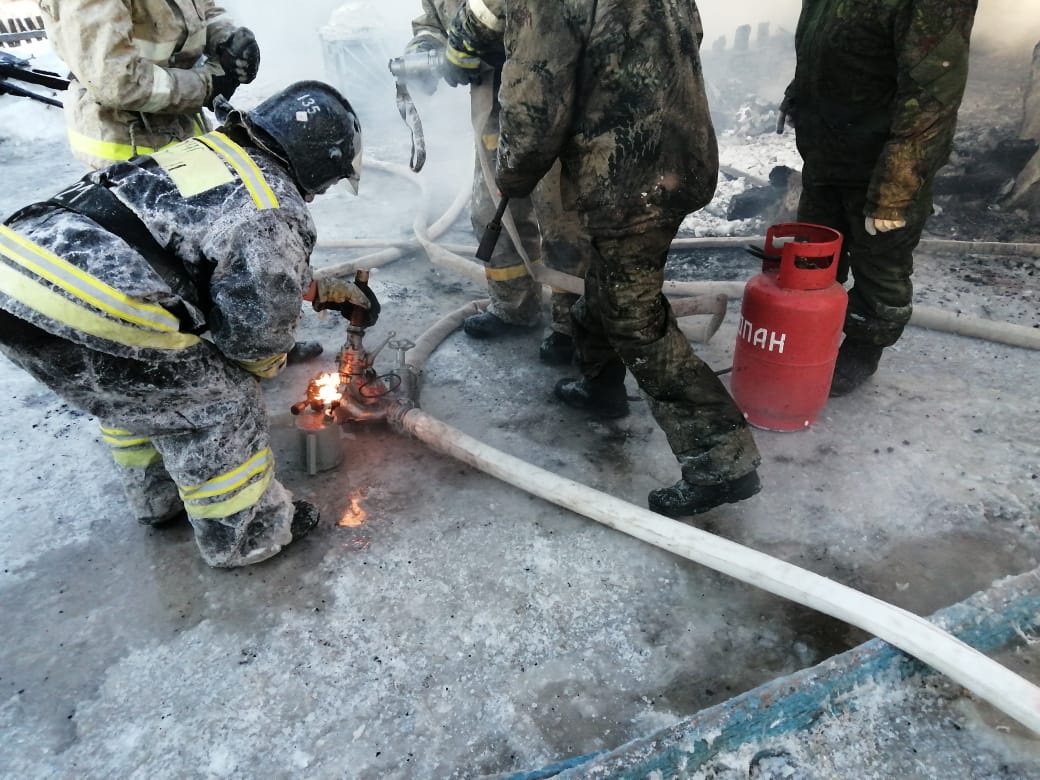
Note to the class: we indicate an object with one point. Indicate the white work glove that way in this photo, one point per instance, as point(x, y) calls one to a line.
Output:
point(875, 226)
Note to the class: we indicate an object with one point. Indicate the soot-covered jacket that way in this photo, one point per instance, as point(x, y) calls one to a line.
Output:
point(228, 215)
point(614, 89)
point(139, 82)
point(876, 91)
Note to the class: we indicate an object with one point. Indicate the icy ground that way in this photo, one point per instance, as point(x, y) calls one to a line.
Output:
point(440, 624)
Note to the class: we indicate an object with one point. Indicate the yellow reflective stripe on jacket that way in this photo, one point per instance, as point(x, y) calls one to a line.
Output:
point(82, 285)
point(248, 171)
point(151, 326)
point(129, 449)
point(106, 150)
point(236, 490)
point(116, 152)
point(507, 274)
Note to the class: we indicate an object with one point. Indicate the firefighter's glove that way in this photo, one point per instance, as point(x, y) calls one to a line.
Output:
point(346, 296)
point(468, 40)
point(424, 49)
point(221, 85)
point(874, 226)
point(239, 55)
point(460, 67)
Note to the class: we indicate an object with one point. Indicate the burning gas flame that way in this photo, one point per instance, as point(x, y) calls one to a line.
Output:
point(326, 388)
point(354, 516)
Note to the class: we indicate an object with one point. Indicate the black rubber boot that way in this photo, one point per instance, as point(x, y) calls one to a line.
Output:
point(303, 351)
point(490, 326)
point(857, 361)
point(171, 517)
point(603, 395)
point(304, 519)
point(557, 349)
point(684, 498)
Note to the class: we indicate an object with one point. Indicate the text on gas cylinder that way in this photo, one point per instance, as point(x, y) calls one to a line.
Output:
point(761, 337)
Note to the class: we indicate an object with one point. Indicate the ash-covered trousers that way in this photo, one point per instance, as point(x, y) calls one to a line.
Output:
point(515, 296)
point(624, 314)
point(191, 431)
point(547, 232)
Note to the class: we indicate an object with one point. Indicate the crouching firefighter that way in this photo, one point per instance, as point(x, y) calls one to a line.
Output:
point(154, 293)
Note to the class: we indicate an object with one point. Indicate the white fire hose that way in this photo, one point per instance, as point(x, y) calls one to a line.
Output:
point(989, 680)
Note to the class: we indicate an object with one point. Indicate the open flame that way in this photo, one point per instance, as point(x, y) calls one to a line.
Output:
point(325, 388)
point(354, 515)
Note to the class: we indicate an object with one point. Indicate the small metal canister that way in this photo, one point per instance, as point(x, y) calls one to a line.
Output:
point(321, 445)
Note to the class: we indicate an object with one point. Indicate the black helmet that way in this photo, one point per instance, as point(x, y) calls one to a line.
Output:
point(316, 132)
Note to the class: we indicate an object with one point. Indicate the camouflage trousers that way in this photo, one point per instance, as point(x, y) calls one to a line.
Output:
point(190, 433)
point(624, 316)
point(880, 298)
point(566, 245)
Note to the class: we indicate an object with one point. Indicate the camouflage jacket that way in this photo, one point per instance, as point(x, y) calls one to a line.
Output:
point(613, 89)
point(138, 82)
point(231, 219)
point(876, 91)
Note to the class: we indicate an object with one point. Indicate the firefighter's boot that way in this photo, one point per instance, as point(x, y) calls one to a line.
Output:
point(857, 361)
point(603, 395)
point(490, 326)
point(685, 498)
point(303, 351)
point(305, 517)
point(557, 349)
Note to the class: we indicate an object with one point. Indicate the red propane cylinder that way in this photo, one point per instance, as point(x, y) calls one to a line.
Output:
point(791, 320)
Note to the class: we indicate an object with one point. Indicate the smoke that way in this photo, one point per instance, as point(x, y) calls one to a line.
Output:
point(296, 38)
point(722, 17)
point(1009, 27)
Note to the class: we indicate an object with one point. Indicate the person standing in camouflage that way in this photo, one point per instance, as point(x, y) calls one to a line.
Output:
point(470, 35)
point(874, 104)
point(613, 89)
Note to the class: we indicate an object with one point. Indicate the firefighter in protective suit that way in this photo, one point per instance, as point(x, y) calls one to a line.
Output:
point(155, 293)
point(874, 104)
point(142, 71)
point(474, 56)
point(613, 89)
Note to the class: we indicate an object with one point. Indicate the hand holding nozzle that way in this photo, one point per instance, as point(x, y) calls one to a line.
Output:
point(491, 233)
